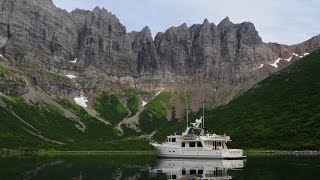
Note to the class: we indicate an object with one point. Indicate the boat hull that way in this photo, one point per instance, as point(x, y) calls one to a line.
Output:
point(176, 152)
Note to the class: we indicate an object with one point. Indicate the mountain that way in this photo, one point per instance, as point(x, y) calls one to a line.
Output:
point(280, 112)
point(79, 80)
point(96, 51)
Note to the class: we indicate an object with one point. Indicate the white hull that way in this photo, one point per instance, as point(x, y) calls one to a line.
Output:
point(177, 152)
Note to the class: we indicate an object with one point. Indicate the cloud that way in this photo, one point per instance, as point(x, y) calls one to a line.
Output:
point(285, 21)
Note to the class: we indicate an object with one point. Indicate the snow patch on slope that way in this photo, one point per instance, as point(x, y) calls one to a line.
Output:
point(144, 103)
point(74, 61)
point(276, 62)
point(261, 66)
point(1, 55)
point(159, 92)
point(289, 59)
point(81, 101)
point(294, 54)
point(71, 76)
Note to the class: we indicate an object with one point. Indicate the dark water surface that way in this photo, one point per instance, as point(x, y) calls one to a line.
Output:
point(149, 167)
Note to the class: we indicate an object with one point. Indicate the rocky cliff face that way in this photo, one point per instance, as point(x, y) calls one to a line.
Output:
point(86, 52)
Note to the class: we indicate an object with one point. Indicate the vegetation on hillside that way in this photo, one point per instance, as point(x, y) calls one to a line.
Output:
point(281, 112)
point(133, 101)
point(154, 117)
point(53, 124)
point(4, 71)
point(110, 108)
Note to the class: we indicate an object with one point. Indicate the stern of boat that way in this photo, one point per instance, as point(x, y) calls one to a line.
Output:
point(157, 147)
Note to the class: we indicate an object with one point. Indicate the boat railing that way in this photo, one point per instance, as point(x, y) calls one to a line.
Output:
point(215, 136)
point(189, 137)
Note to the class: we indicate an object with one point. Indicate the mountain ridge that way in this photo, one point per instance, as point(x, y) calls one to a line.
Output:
point(224, 58)
point(83, 54)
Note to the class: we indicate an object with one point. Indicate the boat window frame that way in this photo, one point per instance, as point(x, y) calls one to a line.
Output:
point(183, 144)
point(219, 143)
point(199, 142)
point(193, 143)
point(193, 171)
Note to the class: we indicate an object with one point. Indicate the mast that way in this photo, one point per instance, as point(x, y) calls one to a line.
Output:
point(203, 114)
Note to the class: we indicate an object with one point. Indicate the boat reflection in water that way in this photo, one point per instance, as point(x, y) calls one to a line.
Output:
point(206, 169)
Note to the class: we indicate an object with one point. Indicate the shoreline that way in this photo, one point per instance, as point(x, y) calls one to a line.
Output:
point(248, 152)
point(96, 152)
point(13, 152)
point(252, 152)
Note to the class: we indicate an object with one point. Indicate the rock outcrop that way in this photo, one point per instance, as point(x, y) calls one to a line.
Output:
point(97, 53)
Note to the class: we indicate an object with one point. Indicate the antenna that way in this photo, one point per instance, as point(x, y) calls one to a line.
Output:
point(203, 114)
point(187, 114)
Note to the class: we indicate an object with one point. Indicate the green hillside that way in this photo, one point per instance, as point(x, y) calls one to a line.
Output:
point(17, 117)
point(281, 112)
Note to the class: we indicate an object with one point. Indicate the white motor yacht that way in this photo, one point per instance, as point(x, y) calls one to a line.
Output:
point(195, 143)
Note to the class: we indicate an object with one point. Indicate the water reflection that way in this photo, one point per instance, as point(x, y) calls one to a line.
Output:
point(34, 172)
point(196, 168)
point(77, 167)
point(146, 167)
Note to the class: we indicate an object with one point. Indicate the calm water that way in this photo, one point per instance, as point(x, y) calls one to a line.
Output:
point(149, 167)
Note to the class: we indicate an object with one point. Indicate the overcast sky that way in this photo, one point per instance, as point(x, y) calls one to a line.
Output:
point(281, 21)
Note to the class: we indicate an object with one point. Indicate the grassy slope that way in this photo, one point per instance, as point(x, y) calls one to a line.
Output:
point(4, 70)
point(154, 117)
point(281, 112)
point(110, 108)
point(53, 124)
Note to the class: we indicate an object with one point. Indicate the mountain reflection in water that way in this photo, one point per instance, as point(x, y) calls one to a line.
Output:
point(196, 168)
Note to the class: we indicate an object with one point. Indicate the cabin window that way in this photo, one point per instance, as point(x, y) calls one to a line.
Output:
point(199, 144)
point(183, 144)
point(193, 171)
point(174, 176)
point(192, 144)
point(200, 171)
point(173, 139)
point(183, 171)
